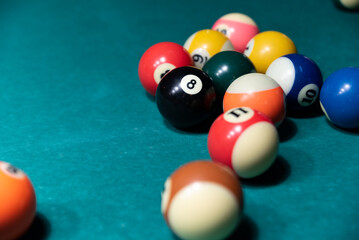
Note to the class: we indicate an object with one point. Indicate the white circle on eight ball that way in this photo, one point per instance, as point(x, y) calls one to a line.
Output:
point(191, 84)
point(308, 95)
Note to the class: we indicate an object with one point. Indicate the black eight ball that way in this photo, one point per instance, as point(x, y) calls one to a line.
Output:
point(186, 97)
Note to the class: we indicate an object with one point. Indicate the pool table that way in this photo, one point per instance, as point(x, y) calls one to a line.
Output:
point(75, 117)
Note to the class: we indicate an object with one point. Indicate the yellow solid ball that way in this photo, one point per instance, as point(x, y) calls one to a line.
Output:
point(267, 46)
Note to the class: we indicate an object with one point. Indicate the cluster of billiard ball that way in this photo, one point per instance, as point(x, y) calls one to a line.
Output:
point(247, 81)
point(226, 64)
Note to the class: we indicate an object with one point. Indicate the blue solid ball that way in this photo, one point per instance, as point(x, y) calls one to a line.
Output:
point(300, 79)
point(339, 97)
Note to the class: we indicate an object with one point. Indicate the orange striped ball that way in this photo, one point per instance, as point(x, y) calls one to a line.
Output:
point(257, 91)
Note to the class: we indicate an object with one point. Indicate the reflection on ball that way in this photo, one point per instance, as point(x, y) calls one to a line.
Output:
point(202, 200)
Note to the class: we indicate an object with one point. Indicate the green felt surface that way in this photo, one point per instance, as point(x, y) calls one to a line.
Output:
point(76, 119)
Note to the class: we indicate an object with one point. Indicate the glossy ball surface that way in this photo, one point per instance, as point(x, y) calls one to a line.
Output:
point(349, 5)
point(300, 79)
point(257, 91)
point(202, 45)
point(185, 97)
point(17, 202)
point(245, 140)
point(224, 67)
point(202, 200)
point(267, 46)
point(339, 97)
point(238, 27)
point(158, 60)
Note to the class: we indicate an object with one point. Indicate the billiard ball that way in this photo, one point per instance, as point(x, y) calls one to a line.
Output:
point(17, 202)
point(300, 79)
point(350, 5)
point(245, 140)
point(224, 67)
point(267, 46)
point(186, 97)
point(158, 60)
point(339, 97)
point(257, 91)
point(202, 200)
point(238, 27)
point(202, 45)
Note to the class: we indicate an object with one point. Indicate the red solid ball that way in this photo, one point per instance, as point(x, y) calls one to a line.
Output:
point(158, 60)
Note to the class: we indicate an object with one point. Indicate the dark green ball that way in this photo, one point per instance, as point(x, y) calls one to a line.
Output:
point(224, 67)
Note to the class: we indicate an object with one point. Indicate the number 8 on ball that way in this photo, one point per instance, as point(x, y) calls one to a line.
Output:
point(191, 84)
point(186, 97)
